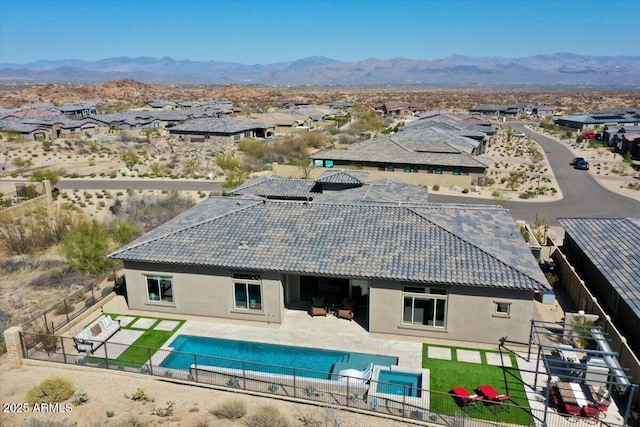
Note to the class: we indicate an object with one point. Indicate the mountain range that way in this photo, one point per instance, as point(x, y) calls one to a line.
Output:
point(559, 69)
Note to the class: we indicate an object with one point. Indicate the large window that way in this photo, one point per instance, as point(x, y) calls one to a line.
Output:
point(247, 291)
point(159, 288)
point(424, 306)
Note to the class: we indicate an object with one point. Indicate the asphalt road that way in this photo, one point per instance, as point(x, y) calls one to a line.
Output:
point(583, 196)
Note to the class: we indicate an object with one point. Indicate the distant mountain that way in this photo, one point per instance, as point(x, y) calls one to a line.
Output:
point(559, 69)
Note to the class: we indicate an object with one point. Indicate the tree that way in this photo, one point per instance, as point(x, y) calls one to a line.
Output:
point(227, 162)
point(130, 158)
point(22, 164)
point(123, 231)
point(235, 177)
point(42, 174)
point(515, 179)
point(86, 245)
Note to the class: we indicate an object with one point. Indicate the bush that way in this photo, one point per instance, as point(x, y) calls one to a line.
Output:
point(106, 291)
point(524, 195)
point(64, 308)
point(89, 302)
point(435, 187)
point(51, 390)
point(267, 416)
point(465, 190)
point(80, 397)
point(231, 409)
point(131, 422)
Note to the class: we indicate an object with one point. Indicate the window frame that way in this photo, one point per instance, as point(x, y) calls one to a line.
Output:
point(249, 281)
point(497, 311)
point(435, 298)
point(160, 291)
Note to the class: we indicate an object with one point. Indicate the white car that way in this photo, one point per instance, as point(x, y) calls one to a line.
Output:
point(519, 134)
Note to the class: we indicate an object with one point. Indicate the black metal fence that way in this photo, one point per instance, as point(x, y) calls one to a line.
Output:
point(371, 396)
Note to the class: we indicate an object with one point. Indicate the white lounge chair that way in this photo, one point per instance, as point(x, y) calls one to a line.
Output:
point(360, 375)
point(96, 334)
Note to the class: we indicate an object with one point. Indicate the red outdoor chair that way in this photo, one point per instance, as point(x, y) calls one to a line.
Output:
point(590, 412)
point(554, 396)
point(570, 409)
point(492, 397)
point(465, 399)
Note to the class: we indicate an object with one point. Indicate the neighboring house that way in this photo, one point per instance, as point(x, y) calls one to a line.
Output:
point(584, 122)
point(160, 104)
point(224, 130)
point(513, 110)
point(283, 122)
point(456, 133)
point(606, 255)
point(421, 158)
point(28, 131)
point(440, 271)
point(316, 113)
point(61, 126)
point(78, 109)
point(627, 142)
point(128, 120)
point(402, 108)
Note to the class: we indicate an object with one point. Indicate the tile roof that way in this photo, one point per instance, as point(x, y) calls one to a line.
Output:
point(222, 125)
point(613, 246)
point(273, 186)
point(341, 176)
point(393, 149)
point(382, 191)
point(444, 244)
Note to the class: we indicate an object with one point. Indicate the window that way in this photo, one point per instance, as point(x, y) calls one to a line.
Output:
point(407, 168)
point(424, 306)
point(159, 289)
point(247, 291)
point(503, 308)
point(438, 171)
point(456, 171)
point(390, 168)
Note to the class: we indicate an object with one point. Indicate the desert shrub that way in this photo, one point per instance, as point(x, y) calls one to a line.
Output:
point(89, 302)
point(51, 390)
point(140, 396)
point(64, 308)
point(231, 409)
point(524, 195)
point(80, 397)
point(489, 181)
point(147, 213)
point(167, 411)
point(465, 190)
point(37, 422)
point(132, 422)
point(106, 291)
point(435, 187)
point(267, 416)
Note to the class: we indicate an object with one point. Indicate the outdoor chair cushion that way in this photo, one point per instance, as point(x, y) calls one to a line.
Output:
point(96, 334)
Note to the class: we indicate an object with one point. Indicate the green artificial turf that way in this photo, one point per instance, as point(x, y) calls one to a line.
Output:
point(447, 374)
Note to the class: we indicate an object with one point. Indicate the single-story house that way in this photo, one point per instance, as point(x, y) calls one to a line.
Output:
point(224, 130)
point(26, 130)
point(283, 122)
point(453, 132)
point(584, 122)
point(422, 158)
point(402, 108)
point(61, 126)
point(518, 109)
point(127, 120)
point(78, 109)
point(431, 271)
point(605, 253)
point(160, 104)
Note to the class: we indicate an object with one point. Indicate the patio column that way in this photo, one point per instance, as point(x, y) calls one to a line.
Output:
point(14, 345)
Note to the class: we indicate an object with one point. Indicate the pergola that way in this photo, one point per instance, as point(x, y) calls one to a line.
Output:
point(562, 362)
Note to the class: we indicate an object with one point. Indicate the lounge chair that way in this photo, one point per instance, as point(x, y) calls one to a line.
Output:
point(346, 310)
point(365, 374)
point(465, 399)
point(96, 334)
point(318, 306)
point(492, 398)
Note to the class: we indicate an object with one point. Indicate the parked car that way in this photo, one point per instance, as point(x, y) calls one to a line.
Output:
point(576, 160)
point(519, 134)
point(583, 164)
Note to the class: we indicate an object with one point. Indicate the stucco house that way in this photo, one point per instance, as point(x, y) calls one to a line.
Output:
point(605, 253)
point(224, 130)
point(419, 157)
point(452, 272)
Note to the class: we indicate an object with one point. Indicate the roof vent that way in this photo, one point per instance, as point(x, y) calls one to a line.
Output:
point(243, 245)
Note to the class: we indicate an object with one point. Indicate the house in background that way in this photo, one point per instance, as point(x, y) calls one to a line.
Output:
point(584, 122)
point(78, 109)
point(28, 131)
point(283, 122)
point(224, 130)
point(606, 255)
point(402, 108)
point(430, 271)
point(513, 110)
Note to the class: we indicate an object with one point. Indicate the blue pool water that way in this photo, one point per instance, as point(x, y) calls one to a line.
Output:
point(273, 358)
point(399, 383)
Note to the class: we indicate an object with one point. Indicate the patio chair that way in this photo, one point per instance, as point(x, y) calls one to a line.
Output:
point(318, 306)
point(492, 398)
point(346, 310)
point(590, 412)
point(466, 400)
point(571, 409)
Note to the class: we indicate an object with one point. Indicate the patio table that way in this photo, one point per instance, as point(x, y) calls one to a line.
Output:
point(579, 394)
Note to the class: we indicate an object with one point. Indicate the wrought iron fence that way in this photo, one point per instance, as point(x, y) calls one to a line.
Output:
point(283, 382)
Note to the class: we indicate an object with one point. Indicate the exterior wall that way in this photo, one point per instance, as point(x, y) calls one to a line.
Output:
point(470, 314)
point(202, 292)
point(421, 178)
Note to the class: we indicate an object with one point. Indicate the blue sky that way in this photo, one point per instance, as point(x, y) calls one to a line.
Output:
point(268, 31)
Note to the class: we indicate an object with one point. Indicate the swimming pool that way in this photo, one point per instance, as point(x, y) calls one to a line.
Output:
point(272, 358)
point(399, 383)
